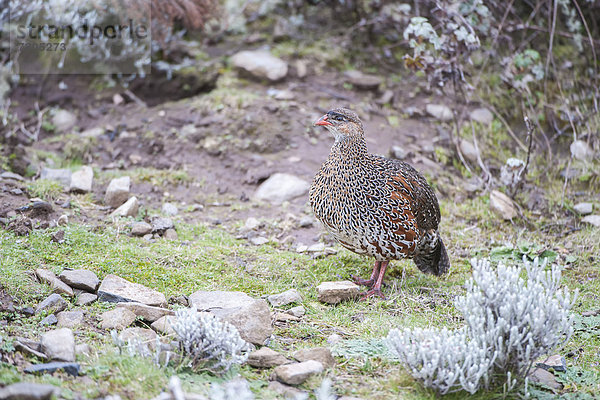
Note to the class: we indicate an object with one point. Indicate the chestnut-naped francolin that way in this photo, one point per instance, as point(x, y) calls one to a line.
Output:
point(375, 206)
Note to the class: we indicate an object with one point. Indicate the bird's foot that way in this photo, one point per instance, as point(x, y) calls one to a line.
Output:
point(372, 293)
point(363, 282)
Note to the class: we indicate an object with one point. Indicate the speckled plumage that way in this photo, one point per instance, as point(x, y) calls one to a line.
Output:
point(373, 205)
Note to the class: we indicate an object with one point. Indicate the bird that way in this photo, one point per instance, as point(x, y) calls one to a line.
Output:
point(375, 206)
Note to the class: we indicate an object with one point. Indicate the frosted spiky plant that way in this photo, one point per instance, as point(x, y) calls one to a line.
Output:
point(519, 320)
point(208, 341)
point(236, 389)
point(325, 391)
point(135, 346)
point(443, 360)
point(510, 322)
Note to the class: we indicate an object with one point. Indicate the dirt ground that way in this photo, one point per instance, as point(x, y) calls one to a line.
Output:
point(226, 151)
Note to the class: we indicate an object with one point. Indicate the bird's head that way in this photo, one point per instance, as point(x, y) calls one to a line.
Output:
point(342, 123)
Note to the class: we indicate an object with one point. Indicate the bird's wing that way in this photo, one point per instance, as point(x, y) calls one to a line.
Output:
point(409, 183)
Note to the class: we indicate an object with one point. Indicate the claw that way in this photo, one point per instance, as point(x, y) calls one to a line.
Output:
point(372, 293)
point(363, 282)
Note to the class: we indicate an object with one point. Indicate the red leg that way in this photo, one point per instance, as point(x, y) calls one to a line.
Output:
point(376, 290)
point(371, 281)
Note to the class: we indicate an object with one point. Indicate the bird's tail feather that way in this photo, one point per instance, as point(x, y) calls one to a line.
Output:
point(434, 262)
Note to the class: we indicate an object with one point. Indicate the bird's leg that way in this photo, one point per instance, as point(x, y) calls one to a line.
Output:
point(376, 290)
point(371, 281)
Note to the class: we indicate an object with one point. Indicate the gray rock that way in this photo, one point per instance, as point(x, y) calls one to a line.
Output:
point(584, 208)
point(581, 151)
point(146, 336)
point(288, 297)
point(117, 191)
point(320, 354)
point(170, 234)
point(266, 358)
point(149, 313)
point(83, 349)
point(86, 298)
point(363, 81)
point(53, 303)
point(251, 317)
point(59, 345)
point(297, 373)
point(64, 120)
point(306, 222)
point(93, 132)
point(281, 187)
point(115, 289)
point(289, 392)
point(160, 224)
point(81, 180)
point(29, 391)
point(502, 205)
point(80, 279)
point(468, 150)
point(50, 279)
point(260, 64)
point(69, 319)
point(398, 152)
point(12, 175)
point(297, 311)
point(140, 228)
point(315, 248)
point(414, 112)
point(71, 368)
point(169, 209)
point(334, 339)
point(541, 376)
point(556, 362)
point(253, 321)
point(119, 318)
point(251, 224)
point(259, 240)
point(592, 220)
point(335, 292)
point(386, 97)
point(62, 176)
point(127, 209)
point(30, 347)
point(439, 112)
point(284, 317)
point(164, 325)
point(482, 115)
point(214, 300)
point(49, 320)
point(281, 94)
point(301, 68)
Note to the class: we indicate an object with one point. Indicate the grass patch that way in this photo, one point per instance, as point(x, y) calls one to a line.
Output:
point(206, 258)
point(45, 189)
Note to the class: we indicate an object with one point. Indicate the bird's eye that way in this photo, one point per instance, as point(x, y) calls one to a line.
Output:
point(339, 118)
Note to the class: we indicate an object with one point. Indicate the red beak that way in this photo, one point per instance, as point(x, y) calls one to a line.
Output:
point(322, 121)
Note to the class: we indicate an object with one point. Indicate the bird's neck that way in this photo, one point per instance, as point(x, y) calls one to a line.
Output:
point(349, 147)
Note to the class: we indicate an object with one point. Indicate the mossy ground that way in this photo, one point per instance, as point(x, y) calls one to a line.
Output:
point(209, 258)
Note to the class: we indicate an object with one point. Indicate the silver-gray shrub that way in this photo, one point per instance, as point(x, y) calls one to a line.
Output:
point(444, 360)
point(209, 342)
point(510, 322)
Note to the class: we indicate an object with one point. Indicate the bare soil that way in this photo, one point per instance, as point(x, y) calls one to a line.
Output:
point(230, 151)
